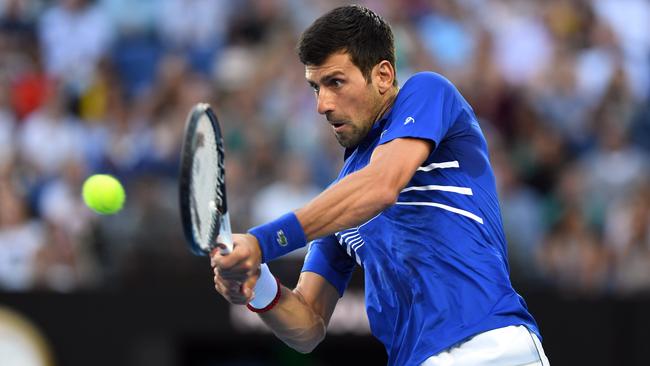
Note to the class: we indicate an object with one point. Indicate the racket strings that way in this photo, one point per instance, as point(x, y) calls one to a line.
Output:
point(206, 182)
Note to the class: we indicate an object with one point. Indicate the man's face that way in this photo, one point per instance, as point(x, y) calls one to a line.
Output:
point(350, 104)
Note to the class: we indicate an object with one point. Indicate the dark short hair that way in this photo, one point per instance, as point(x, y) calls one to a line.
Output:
point(354, 29)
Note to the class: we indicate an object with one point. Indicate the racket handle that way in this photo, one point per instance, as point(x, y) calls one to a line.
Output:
point(225, 234)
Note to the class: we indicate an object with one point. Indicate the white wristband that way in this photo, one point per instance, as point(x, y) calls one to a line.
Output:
point(266, 288)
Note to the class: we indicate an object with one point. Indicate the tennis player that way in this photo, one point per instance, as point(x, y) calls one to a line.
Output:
point(415, 206)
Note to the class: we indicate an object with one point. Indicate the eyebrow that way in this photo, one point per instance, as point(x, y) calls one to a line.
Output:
point(326, 78)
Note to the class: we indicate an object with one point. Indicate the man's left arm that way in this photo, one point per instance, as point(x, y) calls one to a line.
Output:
point(367, 192)
point(352, 201)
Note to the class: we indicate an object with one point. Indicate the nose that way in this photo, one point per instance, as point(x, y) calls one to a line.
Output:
point(325, 102)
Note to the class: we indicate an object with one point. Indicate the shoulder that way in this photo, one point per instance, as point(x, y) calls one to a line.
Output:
point(429, 88)
point(433, 89)
point(429, 81)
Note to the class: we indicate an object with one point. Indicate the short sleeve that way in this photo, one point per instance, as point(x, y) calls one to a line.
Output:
point(425, 108)
point(328, 259)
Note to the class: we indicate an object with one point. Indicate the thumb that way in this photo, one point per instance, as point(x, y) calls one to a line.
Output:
point(248, 287)
point(223, 248)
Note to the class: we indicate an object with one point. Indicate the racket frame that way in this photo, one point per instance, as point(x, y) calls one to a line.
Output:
point(220, 235)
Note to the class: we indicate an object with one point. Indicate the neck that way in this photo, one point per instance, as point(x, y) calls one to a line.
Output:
point(389, 99)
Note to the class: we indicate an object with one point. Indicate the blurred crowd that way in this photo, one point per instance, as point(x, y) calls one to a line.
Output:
point(561, 88)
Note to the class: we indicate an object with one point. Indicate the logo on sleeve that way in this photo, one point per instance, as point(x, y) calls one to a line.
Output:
point(408, 120)
point(281, 238)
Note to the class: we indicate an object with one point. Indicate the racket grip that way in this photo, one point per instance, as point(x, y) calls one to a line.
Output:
point(225, 234)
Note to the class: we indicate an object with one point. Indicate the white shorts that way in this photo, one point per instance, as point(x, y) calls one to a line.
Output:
point(509, 346)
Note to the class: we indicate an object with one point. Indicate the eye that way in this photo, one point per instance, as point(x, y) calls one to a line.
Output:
point(336, 83)
point(315, 87)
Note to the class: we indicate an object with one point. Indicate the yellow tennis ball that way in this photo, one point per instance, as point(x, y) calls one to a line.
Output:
point(103, 194)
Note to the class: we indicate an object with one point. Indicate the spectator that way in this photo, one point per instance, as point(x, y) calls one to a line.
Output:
point(21, 237)
point(7, 124)
point(50, 136)
point(613, 167)
point(292, 190)
point(560, 87)
point(74, 35)
point(523, 217)
point(627, 233)
point(572, 258)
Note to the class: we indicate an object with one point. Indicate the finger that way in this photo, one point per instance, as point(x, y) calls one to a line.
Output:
point(213, 253)
point(216, 253)
point(232, 260)
point(242, 271)
point(247, 293)
point(218, 285)
point(248, 286)
point(239, 300)
point(224, 249)
point(235, 298)
point(236, 275)
point(220, 249)
point(234, 295)
point(233, 287)
point(230, 291)
point(215, 256)
point(239, 277)
point(228, 284)
point(243, 266)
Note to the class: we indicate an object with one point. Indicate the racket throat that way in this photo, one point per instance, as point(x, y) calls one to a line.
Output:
point(225, 233)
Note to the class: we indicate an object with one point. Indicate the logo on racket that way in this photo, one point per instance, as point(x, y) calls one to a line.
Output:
point(281, 238)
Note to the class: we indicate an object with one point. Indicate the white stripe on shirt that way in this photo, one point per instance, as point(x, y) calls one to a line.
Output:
point(454, 189)
point(350, 234)
point(443, 165)
point(444, 207)
point(354, 241)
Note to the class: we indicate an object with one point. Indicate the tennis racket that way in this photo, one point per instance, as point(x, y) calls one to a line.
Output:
point(202, 184)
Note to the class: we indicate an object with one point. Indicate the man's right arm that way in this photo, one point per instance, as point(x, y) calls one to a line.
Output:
point(300, 317)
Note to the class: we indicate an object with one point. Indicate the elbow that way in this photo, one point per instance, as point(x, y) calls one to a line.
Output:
point(306, 348)
point(308, 342)
point(386, 197)
point(383, 190)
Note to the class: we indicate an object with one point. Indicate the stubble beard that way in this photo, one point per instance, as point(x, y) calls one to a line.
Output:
point(359, 131)
point(353, 137)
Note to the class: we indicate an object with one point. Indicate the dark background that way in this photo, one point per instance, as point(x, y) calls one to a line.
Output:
point(191, 326)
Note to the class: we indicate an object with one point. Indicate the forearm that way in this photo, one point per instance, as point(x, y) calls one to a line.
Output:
point(352, 201)
point(295, 322)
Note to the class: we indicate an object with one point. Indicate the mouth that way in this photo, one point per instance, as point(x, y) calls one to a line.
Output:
point(338, 126)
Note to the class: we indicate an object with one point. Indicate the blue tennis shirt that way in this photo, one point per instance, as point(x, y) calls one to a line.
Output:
point(435, 263)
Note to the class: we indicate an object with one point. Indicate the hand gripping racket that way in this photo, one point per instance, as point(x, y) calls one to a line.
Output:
point(202, 186)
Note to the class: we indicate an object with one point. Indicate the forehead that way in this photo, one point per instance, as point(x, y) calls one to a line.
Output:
point(336, 63)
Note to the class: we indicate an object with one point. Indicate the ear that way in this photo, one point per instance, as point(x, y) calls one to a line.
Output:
point(383, 75)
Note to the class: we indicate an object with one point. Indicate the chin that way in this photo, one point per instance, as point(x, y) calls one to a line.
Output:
point(353, 136)
point(347, 142)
